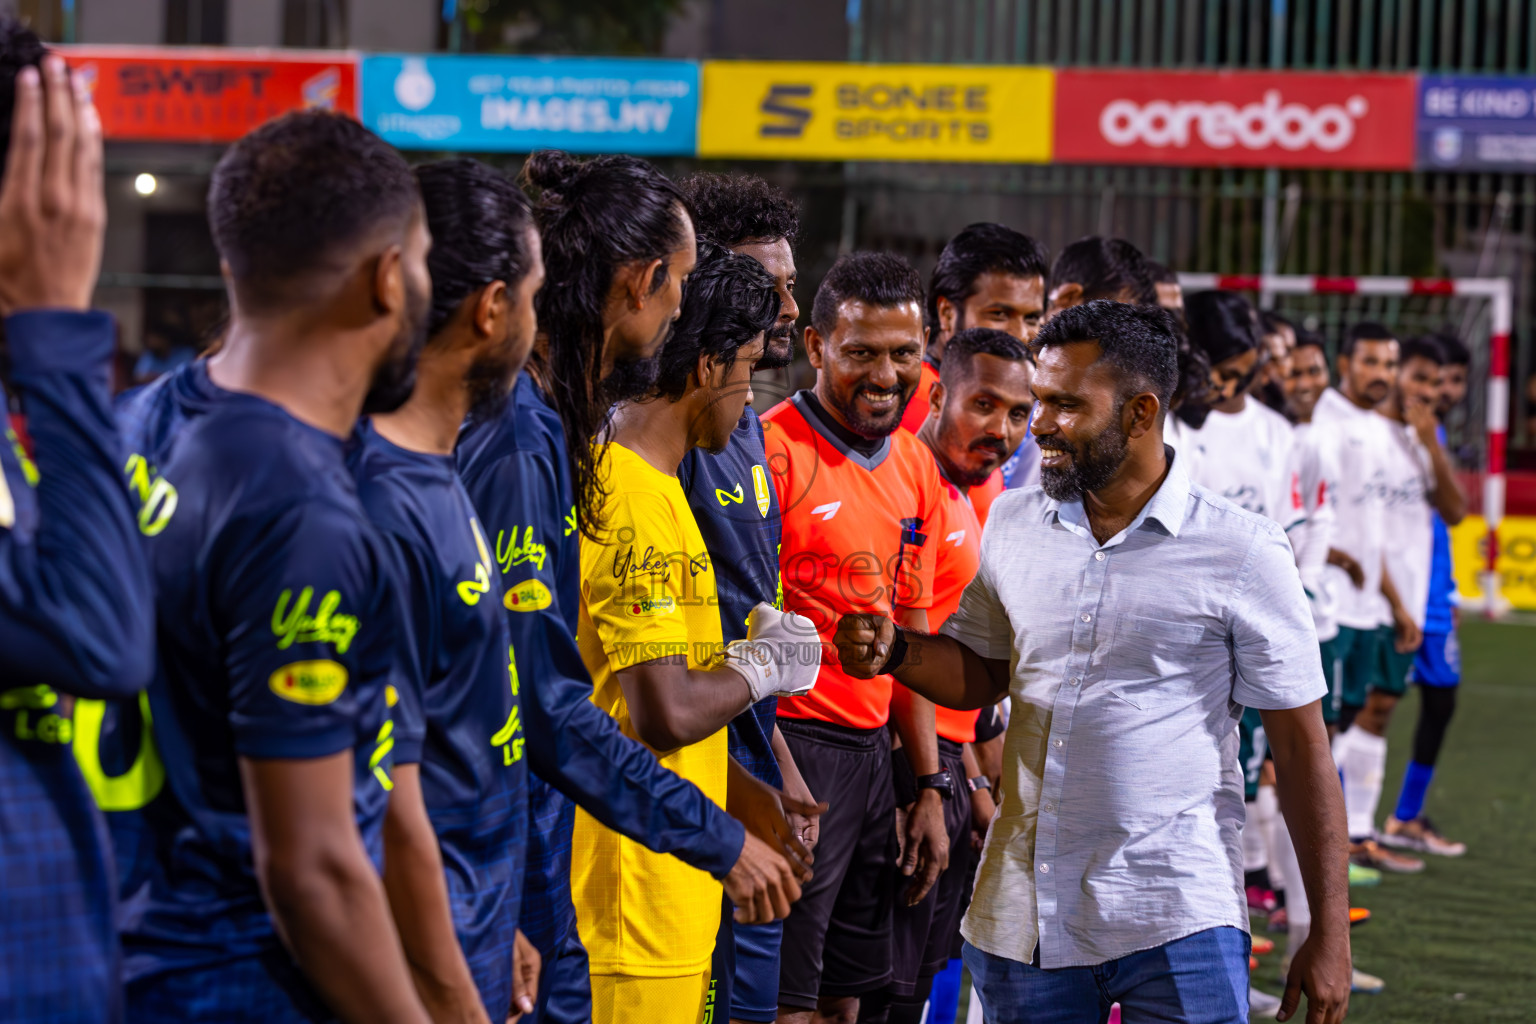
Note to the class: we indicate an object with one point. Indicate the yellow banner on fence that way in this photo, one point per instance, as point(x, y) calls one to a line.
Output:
point(827, 111)
point(1517, 558)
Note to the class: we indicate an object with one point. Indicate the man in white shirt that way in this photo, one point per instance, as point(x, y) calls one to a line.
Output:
point(1130, 615)
point(1416, 477)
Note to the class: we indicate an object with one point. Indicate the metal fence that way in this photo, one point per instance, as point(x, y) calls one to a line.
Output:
point(1331, 222)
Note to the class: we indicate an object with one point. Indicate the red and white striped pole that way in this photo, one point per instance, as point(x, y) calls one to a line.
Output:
point(1500, 296)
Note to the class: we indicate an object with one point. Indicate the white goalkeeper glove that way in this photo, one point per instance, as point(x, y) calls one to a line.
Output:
point(781, 654)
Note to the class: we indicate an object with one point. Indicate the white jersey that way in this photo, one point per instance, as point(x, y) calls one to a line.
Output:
point(1362, 439)
point(1408, 517)
point(1246, 458)
point(1315, 462)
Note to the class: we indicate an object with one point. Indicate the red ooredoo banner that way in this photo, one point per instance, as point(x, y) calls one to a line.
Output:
point(1235, 119)
point(164, 94)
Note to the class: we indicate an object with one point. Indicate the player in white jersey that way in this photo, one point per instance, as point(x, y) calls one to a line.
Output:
point(1243, 449)
point(1417, 480)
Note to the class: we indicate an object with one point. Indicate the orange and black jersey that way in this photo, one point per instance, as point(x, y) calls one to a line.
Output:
point(856, 538)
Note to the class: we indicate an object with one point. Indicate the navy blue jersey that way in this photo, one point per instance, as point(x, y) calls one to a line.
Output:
point(276, 630)
point(737, 511)
point(459, 715)
point(75, 619)
point(516, 472)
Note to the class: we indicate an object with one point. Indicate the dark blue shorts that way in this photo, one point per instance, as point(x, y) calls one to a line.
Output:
point(744, 971)
point(1438, 662)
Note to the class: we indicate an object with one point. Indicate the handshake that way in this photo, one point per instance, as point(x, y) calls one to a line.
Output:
point(781, 654)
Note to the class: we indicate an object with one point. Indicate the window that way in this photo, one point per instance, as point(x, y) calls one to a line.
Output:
point(315, 23)
point(195, 22)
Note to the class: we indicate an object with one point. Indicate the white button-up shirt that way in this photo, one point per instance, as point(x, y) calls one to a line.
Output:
point(1131, 661)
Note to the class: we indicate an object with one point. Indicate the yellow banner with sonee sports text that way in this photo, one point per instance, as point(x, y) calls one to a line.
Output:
point(828, 111)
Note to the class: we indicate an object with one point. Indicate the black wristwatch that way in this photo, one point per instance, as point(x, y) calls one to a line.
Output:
point(941, 781)
point(979, 782)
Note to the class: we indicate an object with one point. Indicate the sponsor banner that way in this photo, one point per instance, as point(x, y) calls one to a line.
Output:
point(165, 94)
point(1235, 119)
point(518, 104)
point(1477, 123)
point(828, 111)
point(1517, 559)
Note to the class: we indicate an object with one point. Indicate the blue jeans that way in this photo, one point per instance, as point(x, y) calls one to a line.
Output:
point(1199, 979)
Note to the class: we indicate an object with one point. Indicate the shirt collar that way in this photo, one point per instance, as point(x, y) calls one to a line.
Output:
point(1167, 506)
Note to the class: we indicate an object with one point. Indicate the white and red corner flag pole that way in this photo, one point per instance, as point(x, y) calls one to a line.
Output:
point(1498, 292)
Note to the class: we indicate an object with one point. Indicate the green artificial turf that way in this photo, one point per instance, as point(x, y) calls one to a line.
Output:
point(1458, 942)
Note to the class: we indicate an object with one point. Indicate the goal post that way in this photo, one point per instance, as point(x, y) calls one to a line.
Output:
point(1498, 292)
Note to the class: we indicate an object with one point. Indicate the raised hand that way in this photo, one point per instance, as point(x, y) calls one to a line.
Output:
point(863, 643)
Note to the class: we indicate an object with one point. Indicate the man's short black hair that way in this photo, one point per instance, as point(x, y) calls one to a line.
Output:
point(730, 299)
point(734, 209)
point(982, 248)
point(961, 352)
point(1425, 346)
point(1140, 342)
point(1365, 330)
point(1456, 351)
point(874, 278)
point(1310, 339)
point(1160, 273)
point(19, 48)
point(288, 197)
point(1271, 322)
point(1104, 267)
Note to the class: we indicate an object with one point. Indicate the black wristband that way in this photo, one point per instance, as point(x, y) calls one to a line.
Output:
point(898, 653)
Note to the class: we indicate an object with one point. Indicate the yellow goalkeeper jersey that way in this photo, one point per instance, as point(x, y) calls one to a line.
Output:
point(648, 591)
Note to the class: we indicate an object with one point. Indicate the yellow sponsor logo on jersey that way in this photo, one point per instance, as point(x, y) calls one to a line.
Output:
point(649, 606)
point(292, 623)
point(309, 682)
point(760, 486)
point(724, 496)
point(528, 596)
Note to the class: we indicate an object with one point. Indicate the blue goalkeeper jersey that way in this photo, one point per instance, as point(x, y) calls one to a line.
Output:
point(277, 628)
point(458, 714)
point(75, 620)
point(737, 511)
point(516, 472)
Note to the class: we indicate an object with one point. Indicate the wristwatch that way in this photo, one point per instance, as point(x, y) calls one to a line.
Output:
point(941, 781)
point(979, 782)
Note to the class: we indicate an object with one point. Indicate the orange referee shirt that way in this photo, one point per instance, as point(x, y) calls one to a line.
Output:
point(958, 535)
point(849, 523)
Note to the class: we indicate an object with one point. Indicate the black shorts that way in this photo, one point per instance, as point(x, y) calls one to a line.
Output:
point(924, 936)
point(837, 938)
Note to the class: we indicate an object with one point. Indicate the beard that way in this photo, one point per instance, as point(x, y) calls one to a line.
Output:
point(873, 427)
point(394, 381)
point(959, 473)
point(778, 347)
point(489, 383)
point(1094, 462)
point(630, 379)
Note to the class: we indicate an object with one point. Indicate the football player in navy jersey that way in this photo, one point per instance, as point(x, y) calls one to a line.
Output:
point(617, 241)
point(460, 769)
point(75, 617)
point(737, 511)
point(278, 624)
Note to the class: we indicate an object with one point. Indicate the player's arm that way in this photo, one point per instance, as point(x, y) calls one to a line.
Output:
point(1409, 635)
point(413, 863)
point(1446, 494)
point(326, 900)
point(807, 826)
point(572, 744)
point(925, 850)
point(308, 625)
point(1278, 670)
point(674, 706)
point(418, 900)
point(76, 609)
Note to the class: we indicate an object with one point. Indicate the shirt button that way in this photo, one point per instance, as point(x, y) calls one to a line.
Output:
point(1087, 617)
point(1049, 808)
point(1098, 556)
point(1074, 680)
point(1056, 743)
point(1045, 869)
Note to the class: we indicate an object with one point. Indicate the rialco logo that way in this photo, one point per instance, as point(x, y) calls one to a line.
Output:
point(1221, 125)
point(786, 111)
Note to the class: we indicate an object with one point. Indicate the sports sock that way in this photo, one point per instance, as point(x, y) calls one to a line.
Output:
point(1267, 808)
point(1410, 801)
point(1364, 767)
point(944, 1000)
